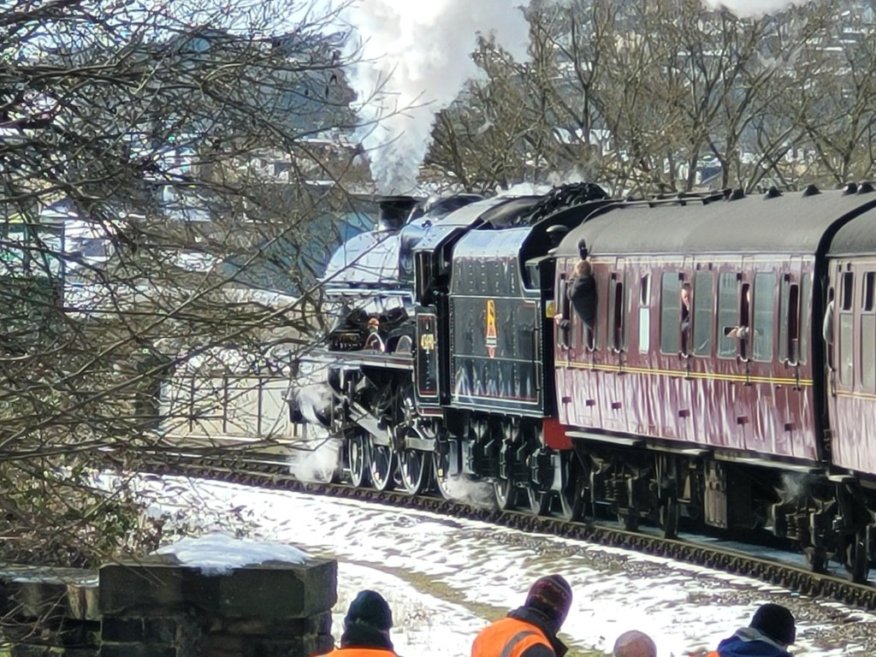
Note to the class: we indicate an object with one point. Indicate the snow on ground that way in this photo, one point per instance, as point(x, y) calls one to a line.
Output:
point(446, 578)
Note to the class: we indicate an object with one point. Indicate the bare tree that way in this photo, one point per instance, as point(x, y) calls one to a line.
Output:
point(162, 196)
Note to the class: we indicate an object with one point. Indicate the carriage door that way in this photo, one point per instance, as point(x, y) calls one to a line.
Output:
point(616, 413)
point(790, 395)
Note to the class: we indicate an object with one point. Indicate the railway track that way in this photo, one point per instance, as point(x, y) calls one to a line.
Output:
point(797, 579)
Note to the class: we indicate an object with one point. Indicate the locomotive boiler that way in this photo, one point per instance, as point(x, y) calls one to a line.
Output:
point(720, 374)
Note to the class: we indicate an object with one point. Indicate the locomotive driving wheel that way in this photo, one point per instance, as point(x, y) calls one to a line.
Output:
point(539, 502)
point(382, 463)
point(503, 486)
point(574, 497)
point(440, 469)
point(357, 458)
point(414, 465)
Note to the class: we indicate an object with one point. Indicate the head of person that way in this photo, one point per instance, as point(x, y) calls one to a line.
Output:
point(370, 610)
point(634, 644)
point(685, 294)
point(775, 622)
point(583, 268)
point(551, 596)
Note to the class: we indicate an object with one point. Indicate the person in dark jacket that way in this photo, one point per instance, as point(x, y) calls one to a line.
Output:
point(366, 628)
point(530, 630)
point(771, 631)
point(582, 292)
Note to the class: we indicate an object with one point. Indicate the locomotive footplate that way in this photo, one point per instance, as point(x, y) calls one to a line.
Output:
point(362, 359)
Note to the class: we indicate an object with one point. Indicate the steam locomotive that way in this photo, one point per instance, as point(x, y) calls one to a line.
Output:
point(720, 372)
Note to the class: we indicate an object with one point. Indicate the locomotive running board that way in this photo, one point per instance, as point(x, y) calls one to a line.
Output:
point(614, 440)
point(792, 467)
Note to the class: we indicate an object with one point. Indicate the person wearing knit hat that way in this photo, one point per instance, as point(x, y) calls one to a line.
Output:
point(771, 631)
point(366, 628)
point(530, 630)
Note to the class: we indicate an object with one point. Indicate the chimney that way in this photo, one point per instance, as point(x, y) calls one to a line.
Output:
point(394, 211)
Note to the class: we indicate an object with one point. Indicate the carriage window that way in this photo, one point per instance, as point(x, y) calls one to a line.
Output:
point(645, 314)
point(867, 294)
point(565, 310)
point(670, 311)
point(848, 289)
point(789, 322)
point(702, 302)
point(728, 317)
point(847, 330)
point(868, 336)
point(764, 297)
point(617, 337)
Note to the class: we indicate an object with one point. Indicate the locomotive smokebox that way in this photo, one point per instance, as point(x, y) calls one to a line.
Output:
point(394, 211)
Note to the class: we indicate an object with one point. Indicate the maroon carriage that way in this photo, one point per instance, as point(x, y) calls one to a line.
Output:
point(697, 388)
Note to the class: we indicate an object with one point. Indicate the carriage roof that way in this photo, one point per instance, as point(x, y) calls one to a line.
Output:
point(791, 223)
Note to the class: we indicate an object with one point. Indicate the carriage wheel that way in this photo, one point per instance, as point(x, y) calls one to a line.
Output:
point(669, 514)
point(357, 459)
point(858, 557)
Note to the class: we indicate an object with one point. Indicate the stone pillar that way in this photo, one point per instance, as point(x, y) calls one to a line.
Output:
point(159, 608)
point(52, 611)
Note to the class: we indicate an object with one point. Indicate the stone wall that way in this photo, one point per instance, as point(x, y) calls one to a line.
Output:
point(158, 608)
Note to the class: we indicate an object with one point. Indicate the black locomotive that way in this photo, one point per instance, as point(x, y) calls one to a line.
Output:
point(705, 358)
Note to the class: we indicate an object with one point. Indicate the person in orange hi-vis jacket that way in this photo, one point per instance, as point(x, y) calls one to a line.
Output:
point(366, 628)
point(530, 630)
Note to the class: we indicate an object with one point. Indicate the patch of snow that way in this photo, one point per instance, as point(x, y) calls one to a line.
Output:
point(446, 578)
point(219, 554)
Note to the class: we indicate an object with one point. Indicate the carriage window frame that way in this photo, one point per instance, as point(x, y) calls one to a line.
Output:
point(617, 338)
point(728, 313)
point(790, 321)
point(564, 329)
point(846, 333)
point(867, 336)
point(805, 317)
point(670, 311)
point(645, 314)
point(763, 317)
point(702, 313)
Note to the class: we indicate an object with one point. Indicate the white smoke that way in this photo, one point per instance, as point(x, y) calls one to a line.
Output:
point(475, 493)
point(414, 57)
point(317, 458)
point(753, 8)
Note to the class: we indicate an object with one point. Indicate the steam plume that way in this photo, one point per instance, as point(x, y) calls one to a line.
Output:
point(415, 56)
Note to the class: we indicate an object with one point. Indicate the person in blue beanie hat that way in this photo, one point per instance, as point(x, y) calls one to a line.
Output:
point(771, 631)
